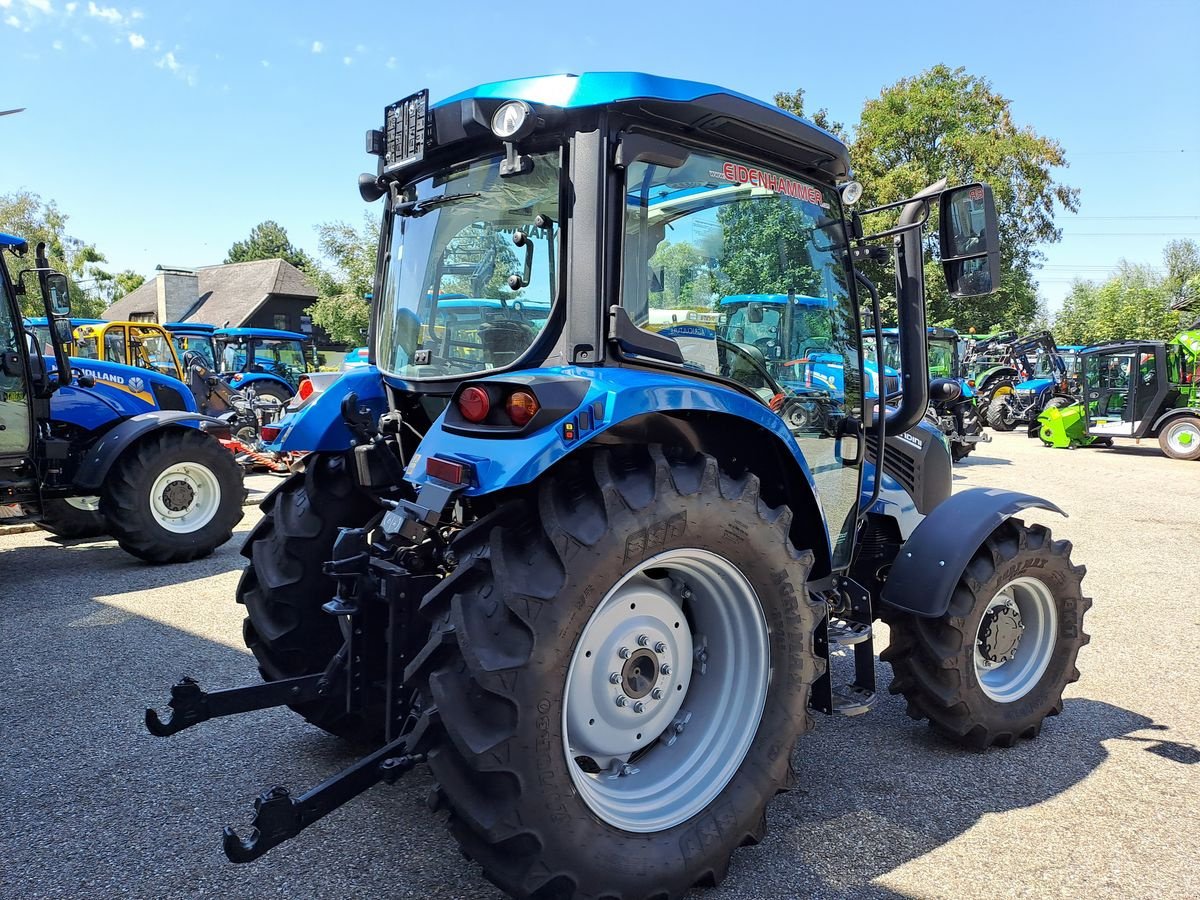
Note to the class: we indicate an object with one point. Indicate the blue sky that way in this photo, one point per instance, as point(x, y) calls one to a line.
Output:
point(167, 130)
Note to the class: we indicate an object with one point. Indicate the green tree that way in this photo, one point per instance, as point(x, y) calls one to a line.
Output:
point(124, 282)
point(24, 213)
point(793, 102)
point(269, 240)
point(1182, 261)
point(947, 123)
point(1135, 303)
point(767, 243)
point(342, 309)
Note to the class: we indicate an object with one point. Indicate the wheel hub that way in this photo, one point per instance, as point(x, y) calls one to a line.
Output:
point(639, 674)
point(178, 496)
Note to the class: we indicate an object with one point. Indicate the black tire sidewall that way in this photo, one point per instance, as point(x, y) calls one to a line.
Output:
point(1165, 436)
point(61, 518)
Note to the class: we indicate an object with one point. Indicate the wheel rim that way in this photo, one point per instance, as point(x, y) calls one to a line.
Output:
point(665, 690)
point(185, 497)
point(87, 504)
point(1015, 640)
point(1184, 438)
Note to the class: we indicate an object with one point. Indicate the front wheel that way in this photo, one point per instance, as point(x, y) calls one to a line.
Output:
point(174, 496)
point(622, 663)
point(995, 665)
point(1180, 439)
point(73, 517)
point(1000, 413)
point(969, 425)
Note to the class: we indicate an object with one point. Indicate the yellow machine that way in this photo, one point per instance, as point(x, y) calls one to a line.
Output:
point(142, 344)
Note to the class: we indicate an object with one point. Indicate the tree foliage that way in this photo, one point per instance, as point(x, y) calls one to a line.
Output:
point(947, 123)
point(26, 215)
point(342, 309)
point(269, 240)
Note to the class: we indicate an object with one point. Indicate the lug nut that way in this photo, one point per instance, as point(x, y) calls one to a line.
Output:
point(660, 647)
point(656, 693)
point(614, 678)
point(639, 706)
point(622, 700)
point(623, 653)
point(643, 640)
point(665, 669)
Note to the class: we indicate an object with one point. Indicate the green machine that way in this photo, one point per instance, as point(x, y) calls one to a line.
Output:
point(1134, 389)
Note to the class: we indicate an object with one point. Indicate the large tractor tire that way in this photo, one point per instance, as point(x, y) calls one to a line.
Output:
point(622, 663)
point(1000, 415)
point(284, 586)
point(73, 517)
point(969, 423)
point(1180, 439)
point(174, 496)
point(995, 665)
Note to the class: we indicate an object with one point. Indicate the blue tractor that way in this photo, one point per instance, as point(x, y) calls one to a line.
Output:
point(952, 397)
point(90, 447)
point(587, 573)
point(1042, 383)
point(263, 361)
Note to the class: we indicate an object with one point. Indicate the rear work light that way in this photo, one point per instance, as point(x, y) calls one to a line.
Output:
point(522, 406)
point(474, 404)
point(269, 433)
point(448, 470)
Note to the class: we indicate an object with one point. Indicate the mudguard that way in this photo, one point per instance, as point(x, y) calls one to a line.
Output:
point(611, 396)
point(1171, 414)
point(933, 558)
point(319, 425)
point(94, 466)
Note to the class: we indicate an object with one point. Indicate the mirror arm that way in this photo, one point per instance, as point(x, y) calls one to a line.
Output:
point(901, 229)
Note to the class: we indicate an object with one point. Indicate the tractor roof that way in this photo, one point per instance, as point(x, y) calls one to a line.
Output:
point(691, 104)
point(192, 327)
point(10, 240)
point(264, 333)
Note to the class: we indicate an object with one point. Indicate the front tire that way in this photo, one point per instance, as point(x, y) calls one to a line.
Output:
point(174, 496)
point(1180, 439)
point(968, 424)
point(1000, 415)
point(548, 778)
point(995, 665)
point(73, 517)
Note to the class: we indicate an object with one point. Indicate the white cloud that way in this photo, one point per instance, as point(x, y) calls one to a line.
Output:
point(347, 60)
point(5, 4)
point(169, 62)
point(40, 5)
point(109, 14)
point(266, 63)
point(360, 49)
point(57, 45)
point(71, 7)
point(136, 41)
point(317, 47)
point(391, 63)
point(12, 21)
point(136, 14)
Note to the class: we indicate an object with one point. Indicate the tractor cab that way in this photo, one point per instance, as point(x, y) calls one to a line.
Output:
point(194, 337)
point(269, 361)
point(143, 345)
point(39, 330)
point(1127, 387)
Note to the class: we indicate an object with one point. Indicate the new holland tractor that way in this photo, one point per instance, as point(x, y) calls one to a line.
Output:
point(91, 447)
point(1040, 382)
point(586, 573)
point(264, 361)
point(1134, 389)
point(952, 398)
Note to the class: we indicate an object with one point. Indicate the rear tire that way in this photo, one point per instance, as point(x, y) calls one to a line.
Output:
point(1000, 413)
point(174, 496)
point(75, 517)
point(284, 586)
point(968, 424)
point(511, 669)
point(1180, 439)
point(942, 666)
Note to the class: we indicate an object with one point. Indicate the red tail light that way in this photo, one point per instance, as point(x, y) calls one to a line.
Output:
point(269, 433)
point(474, 404)
point(306, 388)
point(448, 470)
point(522, 406)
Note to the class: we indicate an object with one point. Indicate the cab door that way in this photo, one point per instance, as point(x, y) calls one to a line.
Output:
point(16, 415)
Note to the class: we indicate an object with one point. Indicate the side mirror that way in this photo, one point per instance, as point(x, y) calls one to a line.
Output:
point(58, 293)
point(970, 240)
point(63, 331)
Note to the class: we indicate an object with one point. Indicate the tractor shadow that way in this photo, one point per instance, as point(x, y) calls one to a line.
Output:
point(882, 791)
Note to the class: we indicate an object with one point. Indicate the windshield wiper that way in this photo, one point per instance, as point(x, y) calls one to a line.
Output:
point(417, 208)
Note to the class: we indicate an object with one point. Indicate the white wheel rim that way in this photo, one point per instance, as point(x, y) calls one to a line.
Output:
point(1184, 438)
point(666, 752)
point(87, 504)
point(185, 497)
point(1027, 605)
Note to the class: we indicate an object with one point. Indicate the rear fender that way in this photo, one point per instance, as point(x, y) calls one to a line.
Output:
point(1188, 411)
point(100, 456)
point(935, 555)
point(319, 425)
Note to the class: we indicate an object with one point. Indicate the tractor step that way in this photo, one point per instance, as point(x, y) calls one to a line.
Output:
point(847, 634)
point(852, 700)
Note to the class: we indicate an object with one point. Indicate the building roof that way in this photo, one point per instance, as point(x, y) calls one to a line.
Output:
point(228, 293)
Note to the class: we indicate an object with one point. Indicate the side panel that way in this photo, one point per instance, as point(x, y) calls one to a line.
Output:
point(319, 425)
point(937, 552)
point(101, 455)
point(119, 392)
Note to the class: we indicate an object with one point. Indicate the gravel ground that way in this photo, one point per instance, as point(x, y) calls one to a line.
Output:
point(1103, 804)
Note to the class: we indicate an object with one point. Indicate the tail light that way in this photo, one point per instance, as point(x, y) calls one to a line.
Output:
point(268, 433)
point(474, 404)
point(522, 406)
point(448, 470)
point(306, 388)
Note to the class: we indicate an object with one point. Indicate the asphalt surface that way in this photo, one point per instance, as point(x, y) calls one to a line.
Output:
point(1104, 803)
